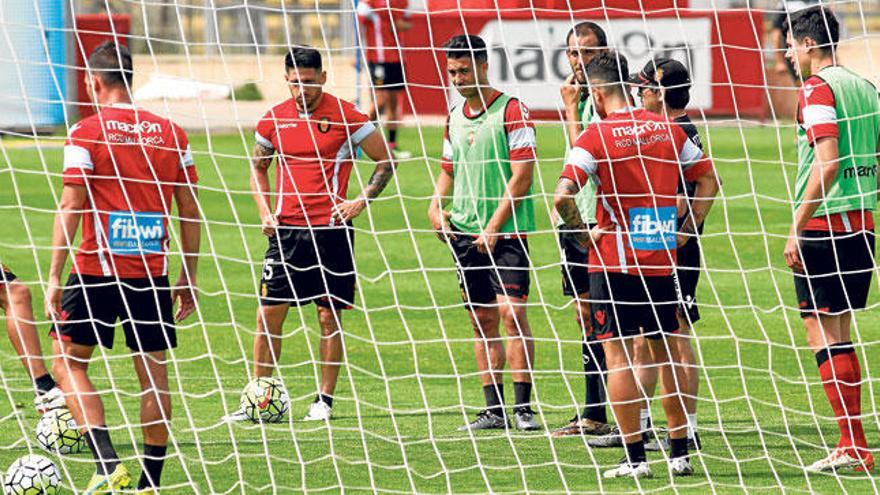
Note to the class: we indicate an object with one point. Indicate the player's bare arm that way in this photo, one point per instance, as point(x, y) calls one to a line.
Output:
point(260, 163)
point(73, 198)
point(517, 187)
point(707, 188)
point(374, 147)
point(563, 200)
point(823, 174)
point(437, 213)
point(571, 95)
point(184, 293)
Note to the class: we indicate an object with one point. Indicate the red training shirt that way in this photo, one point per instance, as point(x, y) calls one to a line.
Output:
point(636, 159)
point(381, 38)
point(129, 160)
point(314, 157)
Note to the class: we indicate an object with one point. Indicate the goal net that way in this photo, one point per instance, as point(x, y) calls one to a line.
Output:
point(408, 376)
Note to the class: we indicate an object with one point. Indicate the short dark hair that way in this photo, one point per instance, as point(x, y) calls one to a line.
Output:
point(467, 45)
point(303, 57)
point(818, 23)
point(611, 70)
point(586, 27)
point(112, 63)
point(677, 97)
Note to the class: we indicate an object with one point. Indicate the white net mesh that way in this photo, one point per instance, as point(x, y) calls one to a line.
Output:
point(408, 378)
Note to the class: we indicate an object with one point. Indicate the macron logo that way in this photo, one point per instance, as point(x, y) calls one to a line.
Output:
point(142, 127)
point(136, 233)
point(636, 130)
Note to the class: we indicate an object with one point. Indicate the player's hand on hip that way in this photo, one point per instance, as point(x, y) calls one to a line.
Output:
point(570, 91)
point(792, 253)
point(53, 301)
point(347, 210)
point(485, 243)
point(270, 223)
point(440, 224)
point(184, 295)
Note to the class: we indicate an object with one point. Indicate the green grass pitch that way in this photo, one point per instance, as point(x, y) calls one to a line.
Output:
point(410, 376)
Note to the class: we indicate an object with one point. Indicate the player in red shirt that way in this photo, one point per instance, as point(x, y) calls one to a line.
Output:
point(637, 159)
point(15, 301)
point(123, 167)
point(310, 258)
point(382, 24)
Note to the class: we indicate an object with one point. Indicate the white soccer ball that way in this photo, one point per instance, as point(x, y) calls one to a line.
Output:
point(57, 432)
point(265, 400)
point(32, 475)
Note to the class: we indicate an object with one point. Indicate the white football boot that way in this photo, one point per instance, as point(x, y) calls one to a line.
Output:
point(318, 411)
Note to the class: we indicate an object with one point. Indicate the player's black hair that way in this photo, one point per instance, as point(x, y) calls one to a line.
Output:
point(819, 24)
point(303, 57)
point(611, 70)
point(586, 27)
point(467, 45)
point(112, 63)
point(677, 98)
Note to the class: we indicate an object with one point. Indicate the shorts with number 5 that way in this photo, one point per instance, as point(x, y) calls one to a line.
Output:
point(305, 265)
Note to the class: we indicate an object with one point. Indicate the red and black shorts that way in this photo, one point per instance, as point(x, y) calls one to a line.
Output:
point(305, 265)
point(387, 76)
point(91, 307)
point(687, 272)
point(838, 270)
point(483, 277)
point(626, 305)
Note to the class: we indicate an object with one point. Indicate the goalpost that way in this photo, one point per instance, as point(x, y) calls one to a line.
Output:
point(408, 377)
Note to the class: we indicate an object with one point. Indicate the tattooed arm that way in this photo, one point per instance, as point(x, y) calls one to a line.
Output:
point(260, 163)
point(374, 147)
point(566, 189)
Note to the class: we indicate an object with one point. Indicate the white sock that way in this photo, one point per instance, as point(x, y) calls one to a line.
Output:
point(644, 418)
point(692, 425)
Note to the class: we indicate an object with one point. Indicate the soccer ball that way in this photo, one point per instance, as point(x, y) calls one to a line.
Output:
point(32, 475)
point(265, 400)
point(57, 432)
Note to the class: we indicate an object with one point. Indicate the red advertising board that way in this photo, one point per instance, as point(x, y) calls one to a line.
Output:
point(527, 57)
point(90, 30)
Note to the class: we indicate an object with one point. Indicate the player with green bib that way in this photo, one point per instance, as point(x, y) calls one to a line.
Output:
point(488, 160)
point(831, 242)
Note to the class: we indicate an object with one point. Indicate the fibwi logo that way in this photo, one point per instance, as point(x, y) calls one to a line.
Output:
point(135, 233)
point(652, 229)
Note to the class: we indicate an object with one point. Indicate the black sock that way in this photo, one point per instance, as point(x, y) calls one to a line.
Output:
point(494, 395)
point(392, 136)
point(98, 440)
point(522, 393)
point(154, 460)
point(635, 452)
point(326, 399)
point(44, 383)
point(678, 447)
point(594, 369)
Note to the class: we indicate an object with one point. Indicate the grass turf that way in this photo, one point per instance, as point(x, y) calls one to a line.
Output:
point(409, 374)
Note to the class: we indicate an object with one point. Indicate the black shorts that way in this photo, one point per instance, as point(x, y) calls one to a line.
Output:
point(622, 307)
point(305, 265)
point(827, 288)
point(388, 76)
point(688, 276)
point(575, 278)
point(482, 277)
point(91, 306)
point(6, 276)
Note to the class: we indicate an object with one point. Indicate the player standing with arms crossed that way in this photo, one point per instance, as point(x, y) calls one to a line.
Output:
point(585, 40)
point(831, 242)
point(488, 161)
point(310, 259)
point(636, 159)
point(122, 168)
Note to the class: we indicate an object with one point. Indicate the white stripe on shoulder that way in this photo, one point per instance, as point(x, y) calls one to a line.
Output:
point(77, 157)
point(186, 158)
point(524, 137)
point(447, 149)
point(690, 154)
point(362, 133)
point(582, 159)
point(819, 114)
point(262, 141)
